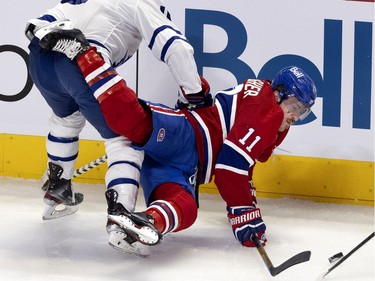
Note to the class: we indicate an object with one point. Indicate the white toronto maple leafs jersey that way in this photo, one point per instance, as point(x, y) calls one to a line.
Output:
point(117, 27)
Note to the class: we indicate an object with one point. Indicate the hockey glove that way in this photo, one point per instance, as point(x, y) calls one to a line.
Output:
point(247, 221)
point(197, 100)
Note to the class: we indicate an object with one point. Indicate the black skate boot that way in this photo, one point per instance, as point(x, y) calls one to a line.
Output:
point(63, 39)
point(129, 232)
point(59, 191)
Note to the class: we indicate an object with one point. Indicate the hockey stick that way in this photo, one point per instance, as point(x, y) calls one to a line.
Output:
point(349, 254)
point(79, 171)
point(299, 258)
point(90, 166)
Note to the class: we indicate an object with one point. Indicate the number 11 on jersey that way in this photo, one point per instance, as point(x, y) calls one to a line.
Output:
point(247, 136)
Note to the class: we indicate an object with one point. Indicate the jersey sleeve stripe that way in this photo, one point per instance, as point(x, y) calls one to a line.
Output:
point(168, 44)
point(231, 169)
point(97, 43)
point(222, 119)
point(234, 111)
point(157, 31)
point(240, 151)
point(209, 145)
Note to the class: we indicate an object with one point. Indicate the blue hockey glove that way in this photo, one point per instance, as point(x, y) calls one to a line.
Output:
point(197, 100)
point(247, 221)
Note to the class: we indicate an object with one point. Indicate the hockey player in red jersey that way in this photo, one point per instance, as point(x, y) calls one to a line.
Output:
point(244, 126)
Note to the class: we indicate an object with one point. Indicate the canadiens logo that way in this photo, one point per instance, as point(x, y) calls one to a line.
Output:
point(161, 135)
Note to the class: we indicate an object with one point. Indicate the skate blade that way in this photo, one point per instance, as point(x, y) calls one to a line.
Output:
point(145, 234)
point(116, 241)
point(51, 213)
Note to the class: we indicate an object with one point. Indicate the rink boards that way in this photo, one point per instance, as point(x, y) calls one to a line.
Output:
point(318, 179)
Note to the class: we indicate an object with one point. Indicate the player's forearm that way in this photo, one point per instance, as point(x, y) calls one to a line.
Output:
point(233, 188)
point(183, 67)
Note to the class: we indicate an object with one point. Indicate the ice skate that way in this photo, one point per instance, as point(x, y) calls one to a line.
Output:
point(132, 233)
point(119, 240)
point(63, 39)
point(59, 194)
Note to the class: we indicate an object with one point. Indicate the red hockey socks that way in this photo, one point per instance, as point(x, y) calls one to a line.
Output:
point(118, 103)
point(99, 75)
point(173, 208)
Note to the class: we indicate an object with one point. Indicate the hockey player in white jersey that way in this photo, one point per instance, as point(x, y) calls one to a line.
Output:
point(116, 28)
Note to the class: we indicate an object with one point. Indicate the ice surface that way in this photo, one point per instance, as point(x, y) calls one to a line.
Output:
point(75, 247)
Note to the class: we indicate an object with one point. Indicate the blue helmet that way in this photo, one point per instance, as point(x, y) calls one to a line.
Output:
point(293, 81)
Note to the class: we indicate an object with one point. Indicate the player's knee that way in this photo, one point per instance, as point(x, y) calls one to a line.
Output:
point(69, 126)
point(125, 115)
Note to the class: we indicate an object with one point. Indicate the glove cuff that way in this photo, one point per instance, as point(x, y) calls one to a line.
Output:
point(238, 210)
point(196, 98)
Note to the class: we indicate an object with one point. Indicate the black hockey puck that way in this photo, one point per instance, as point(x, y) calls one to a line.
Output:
point(335, 257)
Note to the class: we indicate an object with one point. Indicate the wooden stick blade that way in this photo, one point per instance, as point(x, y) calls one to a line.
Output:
point(299, 258)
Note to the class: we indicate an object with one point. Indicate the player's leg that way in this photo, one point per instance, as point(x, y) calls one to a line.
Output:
point(168, 190)
point(62, 149)
point(124, 163)
point(169, 172)
point(80, 95)
point(172, 208)
point(62, 142)
point(130, 232)
point(128, 117)
point(122, 111)
point(119, 105)
point(124, 114)
point(122, 180)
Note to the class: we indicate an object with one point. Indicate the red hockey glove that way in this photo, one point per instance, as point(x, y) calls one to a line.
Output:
point(197, 100)
point(247, 221)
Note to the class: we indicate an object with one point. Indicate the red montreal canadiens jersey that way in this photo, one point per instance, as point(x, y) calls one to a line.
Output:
point(239, 130)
